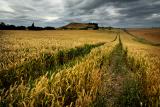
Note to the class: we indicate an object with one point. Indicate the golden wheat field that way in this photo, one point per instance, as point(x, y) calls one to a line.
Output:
point(78, 68)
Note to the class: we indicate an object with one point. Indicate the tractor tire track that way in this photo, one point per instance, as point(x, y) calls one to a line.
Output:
point(115, 69)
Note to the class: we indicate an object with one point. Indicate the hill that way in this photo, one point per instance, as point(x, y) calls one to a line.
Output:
point(81, 26)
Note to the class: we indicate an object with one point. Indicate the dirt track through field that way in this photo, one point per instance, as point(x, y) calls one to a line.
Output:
point(118, 70)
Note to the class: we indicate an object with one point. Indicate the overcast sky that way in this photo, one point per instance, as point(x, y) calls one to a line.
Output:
point(118, 13)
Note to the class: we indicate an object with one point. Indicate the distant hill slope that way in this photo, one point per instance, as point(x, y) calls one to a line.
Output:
point(81, 26)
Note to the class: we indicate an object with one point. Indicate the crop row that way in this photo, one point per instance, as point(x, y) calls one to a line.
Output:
point(34, 68)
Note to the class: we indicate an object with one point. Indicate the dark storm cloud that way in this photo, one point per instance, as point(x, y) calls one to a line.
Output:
point(142, 10)
point(90, 5)
point(121, 13)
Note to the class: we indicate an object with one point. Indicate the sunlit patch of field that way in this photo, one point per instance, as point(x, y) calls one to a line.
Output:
point(17, 46)
point(152, 34)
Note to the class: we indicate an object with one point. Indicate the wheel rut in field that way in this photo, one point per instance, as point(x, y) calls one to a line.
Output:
point(116, 69)
point(125, 85)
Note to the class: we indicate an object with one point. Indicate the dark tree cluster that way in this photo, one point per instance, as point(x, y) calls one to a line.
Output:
point(4, 26)
point(109, 28)
point(95, 25)
point(49, 28)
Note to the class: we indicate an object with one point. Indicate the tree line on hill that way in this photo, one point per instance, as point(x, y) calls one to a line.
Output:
point(4, 26)
point(71, 26)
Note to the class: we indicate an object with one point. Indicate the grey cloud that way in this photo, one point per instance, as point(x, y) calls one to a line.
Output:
point(128, 13)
